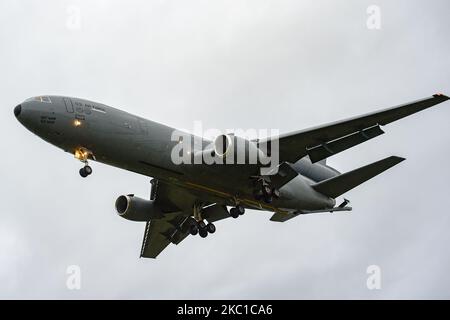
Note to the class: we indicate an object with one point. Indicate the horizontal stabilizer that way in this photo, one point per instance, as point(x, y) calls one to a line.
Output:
point(339, 185)
point(283, 217)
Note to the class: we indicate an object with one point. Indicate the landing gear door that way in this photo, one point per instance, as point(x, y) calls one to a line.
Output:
point(69, 105)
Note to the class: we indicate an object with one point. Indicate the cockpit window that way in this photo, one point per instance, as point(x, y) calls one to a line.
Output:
point(45, 99)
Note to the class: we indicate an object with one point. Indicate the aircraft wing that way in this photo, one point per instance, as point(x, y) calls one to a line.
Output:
point(171, 229)
point(176, 203)
point(160, 233)
point(326, 140)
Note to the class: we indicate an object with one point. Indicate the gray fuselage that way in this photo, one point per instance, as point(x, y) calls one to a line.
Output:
point(126, 141)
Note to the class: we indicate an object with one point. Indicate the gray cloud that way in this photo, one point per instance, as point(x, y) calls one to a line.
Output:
point(232, 64)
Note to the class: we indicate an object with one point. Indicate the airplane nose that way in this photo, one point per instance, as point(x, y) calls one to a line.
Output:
point(17, 110)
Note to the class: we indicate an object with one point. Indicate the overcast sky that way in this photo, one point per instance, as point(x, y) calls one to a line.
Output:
point(231, 64)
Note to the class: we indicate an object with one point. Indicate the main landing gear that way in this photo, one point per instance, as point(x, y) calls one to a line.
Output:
point(199, 227)
point(83, 155)
point(237, 211)
point(263, 191)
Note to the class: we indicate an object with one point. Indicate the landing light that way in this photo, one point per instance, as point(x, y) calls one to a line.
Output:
point(80, 154)
point(77, 123)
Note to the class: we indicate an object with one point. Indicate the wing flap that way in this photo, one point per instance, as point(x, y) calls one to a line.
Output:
point(162, 232)
point(329, 149)
point(154, 242)
point(339, 185)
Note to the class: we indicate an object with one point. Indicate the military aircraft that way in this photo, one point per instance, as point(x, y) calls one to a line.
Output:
point(189, 197)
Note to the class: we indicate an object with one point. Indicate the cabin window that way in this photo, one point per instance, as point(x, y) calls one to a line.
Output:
point(45, 99)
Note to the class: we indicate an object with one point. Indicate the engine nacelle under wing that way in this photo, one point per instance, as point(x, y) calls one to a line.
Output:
point(137, 209)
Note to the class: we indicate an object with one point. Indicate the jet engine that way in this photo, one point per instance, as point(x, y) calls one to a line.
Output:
point(137, 209)
point(237, 149)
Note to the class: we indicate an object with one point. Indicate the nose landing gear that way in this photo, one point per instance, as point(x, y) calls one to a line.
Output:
point(83, 155)
point(85, 171)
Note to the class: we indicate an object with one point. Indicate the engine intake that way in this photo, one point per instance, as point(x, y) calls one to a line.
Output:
point(137, 209)
point(237, 149)
point(222, 144)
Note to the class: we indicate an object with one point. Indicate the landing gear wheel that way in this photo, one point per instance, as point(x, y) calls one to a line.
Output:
point(193, 229)
point(88, 170)
point(210, 228)
point(203, 233)
point(240, 209)
point(201, 225)
point(83, 173)
point(234, 213)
